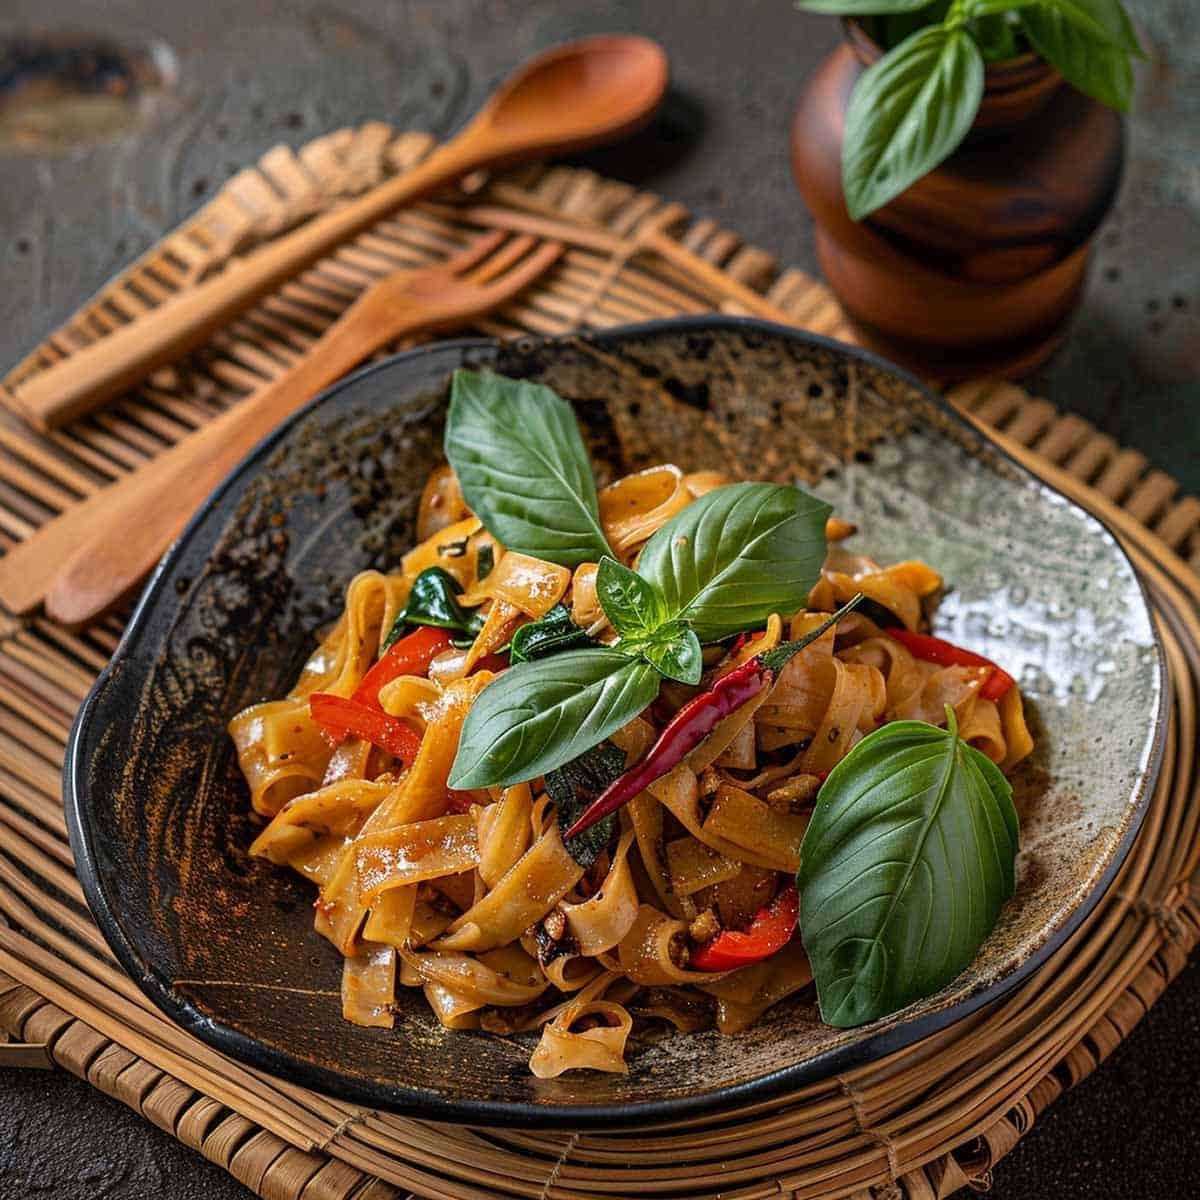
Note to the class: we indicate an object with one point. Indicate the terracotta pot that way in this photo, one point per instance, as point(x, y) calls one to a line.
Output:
point(976, 268)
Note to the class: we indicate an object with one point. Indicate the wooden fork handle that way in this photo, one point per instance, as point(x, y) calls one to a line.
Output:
point(111, 541)
point(123, 358)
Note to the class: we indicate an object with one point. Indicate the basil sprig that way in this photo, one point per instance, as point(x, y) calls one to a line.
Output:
point(722, 565)
point(639, 612)
point(523, 468)
point(633, 605)
point(903, 870)
point(911, 110)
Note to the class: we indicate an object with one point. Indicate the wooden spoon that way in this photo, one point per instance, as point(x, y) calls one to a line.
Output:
point(572, 96)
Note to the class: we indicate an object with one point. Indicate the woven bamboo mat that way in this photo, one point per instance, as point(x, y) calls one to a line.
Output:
point(921, 1124)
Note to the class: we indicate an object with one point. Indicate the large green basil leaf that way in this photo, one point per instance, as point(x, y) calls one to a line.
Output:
point(1103, 20)
point(630, 601)
point(736, 555)
point(1083, 53)
point(539, 715)
point(903, 869)
point(908, 112)
point(523, 468)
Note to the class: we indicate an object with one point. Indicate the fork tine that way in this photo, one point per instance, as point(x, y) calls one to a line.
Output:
point(511, 252)
point(475, 251)
point(533, 266)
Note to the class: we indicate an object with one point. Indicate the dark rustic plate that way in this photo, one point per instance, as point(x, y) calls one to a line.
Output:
point(224, 943)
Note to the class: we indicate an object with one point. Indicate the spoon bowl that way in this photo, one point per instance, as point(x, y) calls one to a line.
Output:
point(573, 96)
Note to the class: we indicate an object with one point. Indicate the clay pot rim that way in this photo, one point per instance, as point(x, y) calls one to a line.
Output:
point(1022, 71)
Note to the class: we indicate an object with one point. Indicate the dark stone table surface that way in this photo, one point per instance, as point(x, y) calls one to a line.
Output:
point(245, 74)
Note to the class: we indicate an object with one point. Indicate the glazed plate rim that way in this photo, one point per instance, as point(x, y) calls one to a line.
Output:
point(427, 1104)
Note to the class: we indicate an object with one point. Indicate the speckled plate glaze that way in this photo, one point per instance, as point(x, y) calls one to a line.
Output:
point(224, 944)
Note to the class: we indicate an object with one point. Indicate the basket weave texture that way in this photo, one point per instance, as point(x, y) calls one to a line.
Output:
point(921, 1124)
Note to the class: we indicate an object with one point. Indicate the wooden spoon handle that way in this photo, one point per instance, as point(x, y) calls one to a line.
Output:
point(129, 525)
point(115, 363)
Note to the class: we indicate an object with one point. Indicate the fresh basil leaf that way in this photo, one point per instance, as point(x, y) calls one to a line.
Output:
point(538, 715)
point(1114, 17)
point(1104, 20)
point(434, 601)
point(908, 112)
point(573, 787)
point(485, 561)
point(523, 468)
point(736, 555)
point(1085, 59)
point(865, 8)
point(552, 634)
point(903, 870)
point(630, 601)
point(675, 653)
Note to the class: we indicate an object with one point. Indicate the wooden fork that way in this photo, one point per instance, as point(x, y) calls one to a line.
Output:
point(86, 560)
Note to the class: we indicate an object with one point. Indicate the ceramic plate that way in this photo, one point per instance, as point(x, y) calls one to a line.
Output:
point(224, 943)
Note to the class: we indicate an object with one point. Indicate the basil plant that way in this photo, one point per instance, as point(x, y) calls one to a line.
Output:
point(911, 110)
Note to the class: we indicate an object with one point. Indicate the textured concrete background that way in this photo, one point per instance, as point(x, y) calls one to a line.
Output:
point(249, 73)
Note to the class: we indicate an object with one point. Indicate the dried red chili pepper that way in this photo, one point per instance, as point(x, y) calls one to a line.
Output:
point(697, 719)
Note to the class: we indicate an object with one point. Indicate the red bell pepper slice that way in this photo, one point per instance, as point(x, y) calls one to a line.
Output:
point(411, 655)
point(946, 654)
point(340, 718)
point(771, 930)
